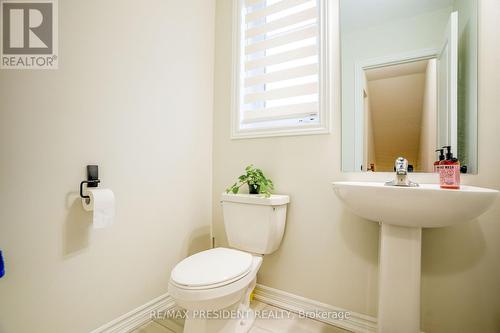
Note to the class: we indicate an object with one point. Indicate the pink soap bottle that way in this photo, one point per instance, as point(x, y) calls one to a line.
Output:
point(449, 171)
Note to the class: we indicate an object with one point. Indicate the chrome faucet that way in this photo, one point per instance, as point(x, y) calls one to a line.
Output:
point(401, 167)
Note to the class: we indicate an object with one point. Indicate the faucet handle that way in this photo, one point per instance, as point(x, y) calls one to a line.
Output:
point(401, 166)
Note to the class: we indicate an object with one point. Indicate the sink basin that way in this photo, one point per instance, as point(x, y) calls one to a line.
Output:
point(403, 212)
point(426, 206)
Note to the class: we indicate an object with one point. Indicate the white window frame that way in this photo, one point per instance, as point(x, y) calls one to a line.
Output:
point(326, 78)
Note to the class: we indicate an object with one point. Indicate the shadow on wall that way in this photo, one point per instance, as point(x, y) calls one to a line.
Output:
point(199, 240)
point(76, 231)
point(443, 250)
point(78, 225)
point(452, 249)
point(360, 235)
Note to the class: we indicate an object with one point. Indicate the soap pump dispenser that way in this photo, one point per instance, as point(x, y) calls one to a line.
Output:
point(449, 171)
point(441, 158)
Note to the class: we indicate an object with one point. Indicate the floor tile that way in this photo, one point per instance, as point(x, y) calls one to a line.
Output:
point(256, 305)
point(256, 329)
point(175, 325)
point(152, 327)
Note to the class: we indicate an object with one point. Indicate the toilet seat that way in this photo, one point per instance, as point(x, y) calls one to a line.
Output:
point(211, 269)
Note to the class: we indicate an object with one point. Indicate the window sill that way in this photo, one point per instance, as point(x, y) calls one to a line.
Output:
point(274, 132)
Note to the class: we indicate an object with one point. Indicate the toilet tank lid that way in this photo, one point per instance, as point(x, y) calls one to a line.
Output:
point(256, 199)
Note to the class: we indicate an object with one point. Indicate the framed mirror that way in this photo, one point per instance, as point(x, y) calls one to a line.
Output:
point(409, 82)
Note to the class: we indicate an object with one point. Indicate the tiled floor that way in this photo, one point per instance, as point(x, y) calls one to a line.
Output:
point(291, 324)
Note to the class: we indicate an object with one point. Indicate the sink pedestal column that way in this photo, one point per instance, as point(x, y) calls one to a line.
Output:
point(399, 279)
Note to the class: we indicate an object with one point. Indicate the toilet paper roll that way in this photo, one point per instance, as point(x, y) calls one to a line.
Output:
point(102, 203)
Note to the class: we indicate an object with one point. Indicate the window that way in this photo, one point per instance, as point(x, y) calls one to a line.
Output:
point(281, 76)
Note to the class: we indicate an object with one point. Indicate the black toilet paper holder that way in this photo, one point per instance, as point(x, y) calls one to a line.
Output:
point(92, 179)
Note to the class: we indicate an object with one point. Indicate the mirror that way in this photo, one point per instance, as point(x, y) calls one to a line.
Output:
point(409, 82)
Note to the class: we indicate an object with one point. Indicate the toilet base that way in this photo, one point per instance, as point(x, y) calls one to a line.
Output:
point(237, 318)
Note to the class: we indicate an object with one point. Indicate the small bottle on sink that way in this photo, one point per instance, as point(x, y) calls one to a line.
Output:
point(449, 171)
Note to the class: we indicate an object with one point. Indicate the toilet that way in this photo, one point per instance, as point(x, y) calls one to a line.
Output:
point(214, 286)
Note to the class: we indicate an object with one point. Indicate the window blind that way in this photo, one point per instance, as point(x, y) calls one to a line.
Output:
point(280, 60)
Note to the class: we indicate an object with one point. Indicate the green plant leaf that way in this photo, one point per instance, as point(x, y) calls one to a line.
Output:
point(253, 177)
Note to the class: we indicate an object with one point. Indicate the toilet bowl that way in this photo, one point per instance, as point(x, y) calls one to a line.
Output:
point(222, 291)
point(215, 285)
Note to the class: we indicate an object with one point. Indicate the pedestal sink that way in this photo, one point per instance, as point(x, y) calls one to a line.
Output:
point(402, 213)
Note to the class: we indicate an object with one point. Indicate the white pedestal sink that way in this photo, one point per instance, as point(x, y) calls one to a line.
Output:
point(403, 212)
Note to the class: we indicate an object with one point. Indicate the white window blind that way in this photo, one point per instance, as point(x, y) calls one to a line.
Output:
point(279, 78)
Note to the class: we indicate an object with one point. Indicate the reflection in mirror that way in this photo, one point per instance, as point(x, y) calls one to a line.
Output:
point(400, 106)
point(409, 82)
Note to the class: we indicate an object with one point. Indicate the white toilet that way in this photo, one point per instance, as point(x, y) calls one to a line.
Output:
point(215, 285)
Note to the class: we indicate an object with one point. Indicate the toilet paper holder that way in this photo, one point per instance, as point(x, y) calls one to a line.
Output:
point(92, 179)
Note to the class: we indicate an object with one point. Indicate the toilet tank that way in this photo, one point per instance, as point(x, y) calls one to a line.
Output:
point(254, 223)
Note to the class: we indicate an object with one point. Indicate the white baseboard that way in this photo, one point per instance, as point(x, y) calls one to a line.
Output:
point(356, 322)
point(137, 317)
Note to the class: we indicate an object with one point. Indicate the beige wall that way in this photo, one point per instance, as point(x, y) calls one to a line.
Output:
point(427, 145)
point(134, 94)
point(330, 255)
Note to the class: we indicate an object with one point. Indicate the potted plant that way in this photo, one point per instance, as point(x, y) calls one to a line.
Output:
point(256, 181)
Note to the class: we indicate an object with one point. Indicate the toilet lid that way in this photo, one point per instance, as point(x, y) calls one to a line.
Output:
point(211, 267)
